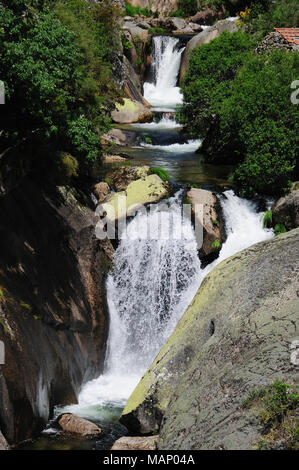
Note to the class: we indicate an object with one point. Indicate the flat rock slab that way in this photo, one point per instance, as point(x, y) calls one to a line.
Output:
point(136, 443)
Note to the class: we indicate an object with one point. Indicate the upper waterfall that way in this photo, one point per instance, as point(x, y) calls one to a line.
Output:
point(166, 60)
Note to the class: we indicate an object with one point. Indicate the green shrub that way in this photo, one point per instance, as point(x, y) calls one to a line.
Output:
point(259, 123)
point(185, 8)
point(265, 15)
point(164, 175)
point(156, 30)
point(267, 219)
point(279, 229)
point(276, 407)
point(56, 65)
point(216, 244)
point(212, 68)
point(135, 11)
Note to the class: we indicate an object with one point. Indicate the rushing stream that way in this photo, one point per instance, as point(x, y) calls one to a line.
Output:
point(155, 278)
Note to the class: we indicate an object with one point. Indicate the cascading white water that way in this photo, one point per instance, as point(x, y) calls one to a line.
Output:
point(167, 122)
point(152, 284)
point(166, 59)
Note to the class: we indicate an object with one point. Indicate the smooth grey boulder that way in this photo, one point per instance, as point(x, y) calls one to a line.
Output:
point(203, 38)
point(236, 335)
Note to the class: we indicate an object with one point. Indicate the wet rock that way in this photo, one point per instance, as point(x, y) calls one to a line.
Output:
point(235, 336)
point(196, 27)
point(3, 443)
point(211, 220)
point(122, 177)
point(108, 158)
point(53, 316)
point(119, 137)
point(130, 112)
point(136, 32)
point(286, 210)
point(136, 443)
point(177, 23)
point(73, 424)
point(203, 38)
point(101, 191)
point(206, 17)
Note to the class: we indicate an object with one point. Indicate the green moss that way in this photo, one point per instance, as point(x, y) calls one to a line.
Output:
point(2, 295)
point(267, 219)
point(164, 175)
point(26, 306)
point(215, 223)
point(216, 244)
point(276, 407)
point(156, 30)
point(279, 229)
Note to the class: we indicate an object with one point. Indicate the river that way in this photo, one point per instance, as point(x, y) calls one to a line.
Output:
point(154, 280)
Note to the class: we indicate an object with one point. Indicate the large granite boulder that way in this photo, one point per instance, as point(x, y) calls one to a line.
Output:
point(131, 111)
point(209, 218)
point(236, 335)
point(53, 313)
point(286, 210)
point(203, 38)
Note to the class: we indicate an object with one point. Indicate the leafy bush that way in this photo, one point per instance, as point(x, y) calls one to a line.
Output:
point(265, 15)
point(240, 103)
point(207, 83)
point(185, 8)
point(56, 65)
point(276, 407)
point(267, 219)
point(259, 124)
point(279, 229)
point(134, 11)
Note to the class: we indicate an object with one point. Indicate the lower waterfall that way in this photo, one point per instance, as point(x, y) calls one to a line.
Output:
point(150, 287)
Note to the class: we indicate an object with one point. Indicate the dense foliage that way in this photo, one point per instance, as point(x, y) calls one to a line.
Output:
point(211, 69)
point(239, 102)
point(56, 66)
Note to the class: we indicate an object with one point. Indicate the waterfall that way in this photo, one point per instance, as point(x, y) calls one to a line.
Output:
point(153, 281)
point(166, 59)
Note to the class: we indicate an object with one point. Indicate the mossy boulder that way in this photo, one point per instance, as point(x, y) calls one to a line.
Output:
point(236, 335)
point(131, 111)
point(138, 193)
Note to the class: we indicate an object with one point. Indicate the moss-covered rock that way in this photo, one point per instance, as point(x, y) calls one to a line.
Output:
point(236, 335)
point(138, 193)
point(131, 111)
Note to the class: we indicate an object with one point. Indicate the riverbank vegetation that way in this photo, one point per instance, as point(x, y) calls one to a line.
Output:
point(239, 102)
point(56, 64)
